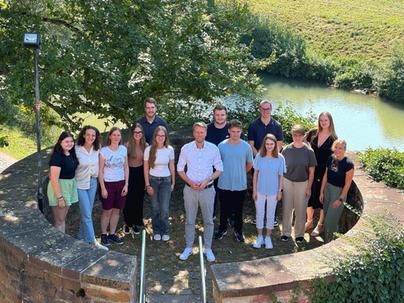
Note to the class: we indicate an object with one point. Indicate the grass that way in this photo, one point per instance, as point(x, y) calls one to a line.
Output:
point(362, 29)
point(21, 145)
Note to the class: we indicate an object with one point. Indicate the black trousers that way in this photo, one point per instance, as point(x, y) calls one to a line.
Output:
point(133, 210)
point(231, 202)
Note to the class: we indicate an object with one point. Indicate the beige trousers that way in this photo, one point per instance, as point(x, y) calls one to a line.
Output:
point(294, 198)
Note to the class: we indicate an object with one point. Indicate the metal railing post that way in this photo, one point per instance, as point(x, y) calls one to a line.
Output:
point(203, 274)
point(142, 293)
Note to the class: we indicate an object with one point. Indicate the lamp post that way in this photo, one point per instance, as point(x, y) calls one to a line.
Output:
point(33, 40)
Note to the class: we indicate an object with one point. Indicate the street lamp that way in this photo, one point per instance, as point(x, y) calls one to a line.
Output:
point(33, 40)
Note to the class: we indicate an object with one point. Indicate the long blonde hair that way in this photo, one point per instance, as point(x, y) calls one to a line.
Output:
point(153, 148)
point(333, 134)
point(132, 142)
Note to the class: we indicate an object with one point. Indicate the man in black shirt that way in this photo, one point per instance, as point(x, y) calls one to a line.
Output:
point(217, 131)
point(150, 120)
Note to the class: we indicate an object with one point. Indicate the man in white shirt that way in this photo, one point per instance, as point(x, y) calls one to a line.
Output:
point(199, 156)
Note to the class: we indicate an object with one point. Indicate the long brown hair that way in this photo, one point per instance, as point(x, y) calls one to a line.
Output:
point(132, 142)
point(153, 148)
point(263, 148)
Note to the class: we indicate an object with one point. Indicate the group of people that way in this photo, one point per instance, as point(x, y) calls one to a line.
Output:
point(310, 173)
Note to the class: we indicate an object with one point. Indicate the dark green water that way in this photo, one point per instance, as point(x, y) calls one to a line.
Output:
point(364, 121)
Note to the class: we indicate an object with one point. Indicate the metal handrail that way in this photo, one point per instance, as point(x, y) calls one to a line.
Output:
point(142, 293)
point(203, 273)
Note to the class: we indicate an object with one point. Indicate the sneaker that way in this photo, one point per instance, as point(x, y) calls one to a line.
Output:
point(268, 243)
point(157, 237)
point(285, 238)
point(136, 230)
point(209, 255)
point(115, 239)
point(299, 239)
point(126, 229)
point(186, 253)
point(104, 240)
point(239, 237)
point(165, 237)
point(98, 245)
point(220, 234)
point(259, 242)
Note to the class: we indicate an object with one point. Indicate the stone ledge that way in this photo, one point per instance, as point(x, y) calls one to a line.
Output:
point(257, 280)
point(40, 264)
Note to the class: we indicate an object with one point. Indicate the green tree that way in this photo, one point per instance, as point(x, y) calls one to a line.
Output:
point(105, 58)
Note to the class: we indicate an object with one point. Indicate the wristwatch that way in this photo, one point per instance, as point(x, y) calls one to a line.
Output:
point(340, 199)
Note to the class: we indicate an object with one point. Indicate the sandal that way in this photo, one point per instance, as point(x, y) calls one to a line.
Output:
point(318, 230)
point(308, 225)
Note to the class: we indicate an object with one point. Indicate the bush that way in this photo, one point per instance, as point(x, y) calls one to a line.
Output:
point(355, 74)
point(286, 115)
point(391, 83)
point(385, 165)
point(374, 273)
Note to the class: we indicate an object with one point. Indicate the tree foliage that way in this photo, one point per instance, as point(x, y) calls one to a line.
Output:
point(105, 57)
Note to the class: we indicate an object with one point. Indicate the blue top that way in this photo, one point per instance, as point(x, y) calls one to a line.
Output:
point(149, 128)
point(269, 170)
point(257, 131)
point(235, 158)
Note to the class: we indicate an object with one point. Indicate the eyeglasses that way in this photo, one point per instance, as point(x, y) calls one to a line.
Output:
point(266, 109)
point(160, 136)
point(138, 133)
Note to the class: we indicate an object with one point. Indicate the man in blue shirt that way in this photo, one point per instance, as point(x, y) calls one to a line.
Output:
point(150, 121)
point(265, 124)
point(237, 160)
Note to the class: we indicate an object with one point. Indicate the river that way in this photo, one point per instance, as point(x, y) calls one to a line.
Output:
point(364, 121)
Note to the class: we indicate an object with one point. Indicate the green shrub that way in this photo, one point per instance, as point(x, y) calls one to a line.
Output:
point(374, 273)
point(391, 83)
point(354, 74)
point(286, 115)
point(385, 165)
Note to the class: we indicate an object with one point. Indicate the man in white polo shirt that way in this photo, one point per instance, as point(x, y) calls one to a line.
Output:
point(199, 156)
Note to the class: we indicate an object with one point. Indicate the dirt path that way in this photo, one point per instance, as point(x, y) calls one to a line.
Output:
point(5, 161)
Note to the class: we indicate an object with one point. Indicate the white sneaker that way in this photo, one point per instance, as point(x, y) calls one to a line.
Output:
point(165, 237)
point(268, 243)
point(100, 246)
point(157, 237)
point(259, 242)
point(186, 253)
point(209, 255)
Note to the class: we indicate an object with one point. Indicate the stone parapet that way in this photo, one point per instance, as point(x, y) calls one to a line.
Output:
point(39, 264)
point(288, 277)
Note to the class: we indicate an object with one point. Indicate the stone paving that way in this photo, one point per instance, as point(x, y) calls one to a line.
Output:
point(170, 280)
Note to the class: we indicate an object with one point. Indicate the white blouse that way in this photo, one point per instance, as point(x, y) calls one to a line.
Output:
point(88, 166)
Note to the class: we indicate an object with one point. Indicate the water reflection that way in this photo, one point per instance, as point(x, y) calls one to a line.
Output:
point(362, 120)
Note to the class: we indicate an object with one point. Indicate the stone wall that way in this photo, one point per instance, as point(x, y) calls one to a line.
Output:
point(38, 264)
point(288, 278)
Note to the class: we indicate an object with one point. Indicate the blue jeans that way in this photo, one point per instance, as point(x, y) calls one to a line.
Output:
point(160, 203)
point(86, 203)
